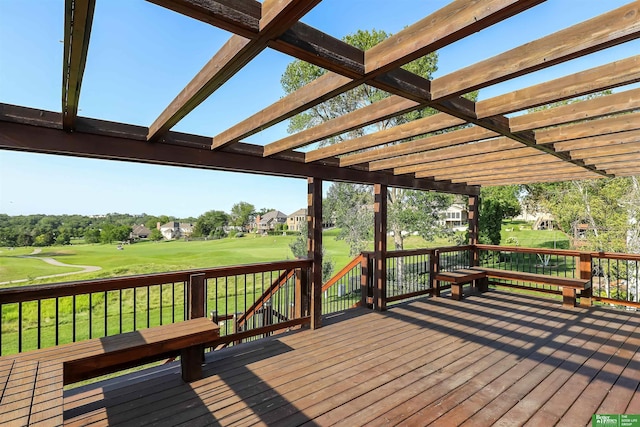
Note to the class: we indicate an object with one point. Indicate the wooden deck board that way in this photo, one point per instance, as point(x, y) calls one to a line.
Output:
point(492, 358)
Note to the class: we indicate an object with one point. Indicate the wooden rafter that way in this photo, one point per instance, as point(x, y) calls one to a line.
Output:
point(78, 19)
point(526, 176)
point(609, 29)
point(454, 21)
point(430, 145)
point(548, 168)
point(598, 141)
point(497, 166)
point(452, 152)
point(519, 156)
point(631, 148)
point(411, 129)
point(623, 122)
point(277, 17)
point(379, 111)
point(616, 103)
point(319, 90)
point(609, 76)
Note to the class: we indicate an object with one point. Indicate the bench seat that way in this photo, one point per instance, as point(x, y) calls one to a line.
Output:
point(569, 285)
point(91, 358)
point(459, 278)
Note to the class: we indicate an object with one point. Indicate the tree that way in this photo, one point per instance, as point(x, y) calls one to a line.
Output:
point(496, 204)
point(92, 235)
point(156, 235)
point(241, 214)
point(298, 74)
point(351, 206)
point(607, 206)
point(299, 248)
point(210, 222)
point(416, 211)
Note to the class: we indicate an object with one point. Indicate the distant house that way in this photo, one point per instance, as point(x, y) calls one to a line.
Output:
point(268, 221)
point(176, 230)
point(297, 220)
point(140, 232)
point(455, 217)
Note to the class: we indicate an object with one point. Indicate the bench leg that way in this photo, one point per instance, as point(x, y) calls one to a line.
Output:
point(568, 297)
point(456, 291)
point(482, 284)
point(585, 298)
point(191, 363)
point(436, 291)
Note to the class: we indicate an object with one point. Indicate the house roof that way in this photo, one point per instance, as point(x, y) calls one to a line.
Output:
point(593, 138)
point(299, 212)
point(270, 216)
point(140, 230)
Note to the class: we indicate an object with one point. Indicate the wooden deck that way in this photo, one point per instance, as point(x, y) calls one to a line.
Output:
point(496, 358)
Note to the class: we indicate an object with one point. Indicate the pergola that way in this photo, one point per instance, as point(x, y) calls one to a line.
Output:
point(589, 139)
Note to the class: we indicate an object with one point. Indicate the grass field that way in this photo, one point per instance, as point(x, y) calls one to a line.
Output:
point(153, 257)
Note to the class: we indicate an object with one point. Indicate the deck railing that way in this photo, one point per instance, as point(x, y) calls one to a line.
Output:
point(256, 300)
point(409, 274)
point(249, 300)
point(615, 278)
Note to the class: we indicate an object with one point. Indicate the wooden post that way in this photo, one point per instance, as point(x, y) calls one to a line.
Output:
point(196, 296)
point(314, 227)
point(474, 228)
point(380, 244)
point(365, 273)
point(434, 268)
point(584, 272)
point(301, 297)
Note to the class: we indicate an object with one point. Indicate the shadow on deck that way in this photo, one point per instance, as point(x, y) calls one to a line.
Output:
point(496, 358)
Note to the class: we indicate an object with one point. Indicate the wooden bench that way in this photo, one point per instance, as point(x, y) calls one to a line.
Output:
point(91, 358)
point(31, 382)
point(569, 285)
point(459, 278)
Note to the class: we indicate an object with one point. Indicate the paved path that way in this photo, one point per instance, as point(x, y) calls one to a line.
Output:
point(84, 268)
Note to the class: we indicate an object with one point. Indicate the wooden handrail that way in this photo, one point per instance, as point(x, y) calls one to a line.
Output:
point(266, 295)
point(342, 272)
point(409, 252)
point(566, 252)
point(64, 289)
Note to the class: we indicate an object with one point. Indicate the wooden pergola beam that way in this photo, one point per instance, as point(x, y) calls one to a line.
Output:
point(455, 21)
point(436, 145)
point(78, 19)
point(241, 17)
point(381, 110)
point(467, 174)
point(610, 125)
point(616, 103)
point(524, 174)
point(632, 149)
point(32, 130)
point(411, 129)
point(278, 16)
point(598, 141)
point(614, 74)
point(537, 179)
point(451, 152)
point(604, 31)
point(518, 156)
point(436, 169)
point(322, 89)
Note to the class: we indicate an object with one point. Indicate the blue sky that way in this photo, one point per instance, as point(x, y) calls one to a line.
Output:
point(142, 55)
